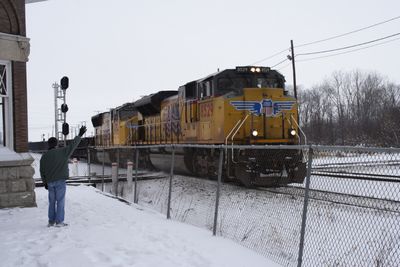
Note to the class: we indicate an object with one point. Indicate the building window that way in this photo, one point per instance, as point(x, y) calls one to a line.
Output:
point(6, 126)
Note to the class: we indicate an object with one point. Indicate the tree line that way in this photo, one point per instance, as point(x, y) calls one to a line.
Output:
point(354, 108)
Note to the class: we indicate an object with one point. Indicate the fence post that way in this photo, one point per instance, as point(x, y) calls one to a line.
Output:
point(135, 196)
point(305, 206)
point(129, 166)
point(117, 170)
point(170, 183)
point(75, 171)
point(102, 180)
point(221, 158)
point(114, 178)
point(88, 160)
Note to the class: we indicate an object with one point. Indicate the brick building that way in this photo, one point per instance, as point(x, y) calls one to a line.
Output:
point(16, 182)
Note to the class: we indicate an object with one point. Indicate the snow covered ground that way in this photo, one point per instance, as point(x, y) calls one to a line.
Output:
point(337, 234)
point(107, 232)
point(270, 223)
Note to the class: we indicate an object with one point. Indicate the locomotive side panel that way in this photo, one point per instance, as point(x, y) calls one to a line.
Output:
point(206, 108)
point(168, 124)
point(189, 120)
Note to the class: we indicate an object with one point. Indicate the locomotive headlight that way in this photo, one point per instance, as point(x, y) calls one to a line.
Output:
point(258, 69)
point(253, 69)
point(254, 133)
point(292, 132)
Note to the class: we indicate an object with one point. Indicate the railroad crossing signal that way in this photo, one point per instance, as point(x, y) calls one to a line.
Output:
point(61, 113)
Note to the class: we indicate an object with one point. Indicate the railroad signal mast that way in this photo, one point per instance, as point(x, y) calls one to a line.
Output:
point(60, 113)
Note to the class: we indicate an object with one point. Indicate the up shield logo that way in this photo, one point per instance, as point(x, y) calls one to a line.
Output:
point(266, 106)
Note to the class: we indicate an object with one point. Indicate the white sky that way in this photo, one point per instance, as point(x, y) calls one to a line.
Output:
point(105, 232)
point(116, 51)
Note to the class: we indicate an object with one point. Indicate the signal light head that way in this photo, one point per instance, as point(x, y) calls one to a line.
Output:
point(64, 83)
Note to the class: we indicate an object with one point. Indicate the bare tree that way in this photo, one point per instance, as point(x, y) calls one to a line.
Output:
point(351, 109)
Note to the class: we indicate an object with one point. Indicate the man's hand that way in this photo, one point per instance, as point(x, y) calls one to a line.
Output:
point(82, 131)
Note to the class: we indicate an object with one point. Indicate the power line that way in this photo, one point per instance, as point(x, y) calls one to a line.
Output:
point(287, 65)
point(347, 47)
point(326, 39)
point(351, 51)
point(269, 57)
point(279, 63)
point(347, 33)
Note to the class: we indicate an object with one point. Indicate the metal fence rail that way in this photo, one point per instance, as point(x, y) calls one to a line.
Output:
point(346, 213)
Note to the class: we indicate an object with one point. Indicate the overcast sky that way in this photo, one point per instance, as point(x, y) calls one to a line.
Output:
point(116, 51)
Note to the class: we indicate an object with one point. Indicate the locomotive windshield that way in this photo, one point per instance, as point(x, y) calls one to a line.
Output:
point(236, 82)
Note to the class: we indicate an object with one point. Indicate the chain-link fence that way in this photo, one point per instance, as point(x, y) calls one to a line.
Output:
point(79, 168)
point(353, 216)
point(321, 206)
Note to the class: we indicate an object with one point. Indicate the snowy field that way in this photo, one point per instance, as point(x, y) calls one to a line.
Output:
point(107, 232)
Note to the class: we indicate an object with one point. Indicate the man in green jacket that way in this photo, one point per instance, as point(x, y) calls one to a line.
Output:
point(54, 172)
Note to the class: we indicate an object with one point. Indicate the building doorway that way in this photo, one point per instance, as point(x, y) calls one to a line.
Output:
point(6, 111)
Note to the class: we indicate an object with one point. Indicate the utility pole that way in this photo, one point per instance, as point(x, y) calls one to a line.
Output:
point(291, 57)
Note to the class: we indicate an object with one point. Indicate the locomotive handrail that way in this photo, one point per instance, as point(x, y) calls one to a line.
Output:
point(261, 147)
point(226, 140)
point(237, 130)
point(291, 125)
point(234, 127)
point(298, 126)
point(151, 124)
point(227, 137)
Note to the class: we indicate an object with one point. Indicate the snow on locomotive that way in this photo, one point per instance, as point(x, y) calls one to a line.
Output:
point(242, 106)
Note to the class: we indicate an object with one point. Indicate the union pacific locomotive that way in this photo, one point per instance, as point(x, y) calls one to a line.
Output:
point(242, 106)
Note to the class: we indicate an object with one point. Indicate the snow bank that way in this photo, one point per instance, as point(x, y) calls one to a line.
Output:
point(106, 232)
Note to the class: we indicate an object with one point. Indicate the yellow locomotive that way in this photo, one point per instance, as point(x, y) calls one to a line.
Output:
point(242, 106)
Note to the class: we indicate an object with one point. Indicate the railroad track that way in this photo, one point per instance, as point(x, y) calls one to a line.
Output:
point(356, 164)
point(374, 203)
point(357, 176)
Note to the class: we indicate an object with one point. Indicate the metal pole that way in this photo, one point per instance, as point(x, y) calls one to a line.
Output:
point(88, 160)
point(305, 206)
point(117, 169)
point(170, 183)
point(294, 69)
point(114, 178)
point(221, 158)
point(55, 87)
point(102, 181)
point(135, 196)
point(129, 166)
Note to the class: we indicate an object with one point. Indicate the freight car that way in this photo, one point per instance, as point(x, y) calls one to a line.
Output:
point(243, 106)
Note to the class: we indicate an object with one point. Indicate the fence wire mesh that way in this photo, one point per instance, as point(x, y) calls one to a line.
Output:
point(354, 210)
point(353, 201)
point(193, 201)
